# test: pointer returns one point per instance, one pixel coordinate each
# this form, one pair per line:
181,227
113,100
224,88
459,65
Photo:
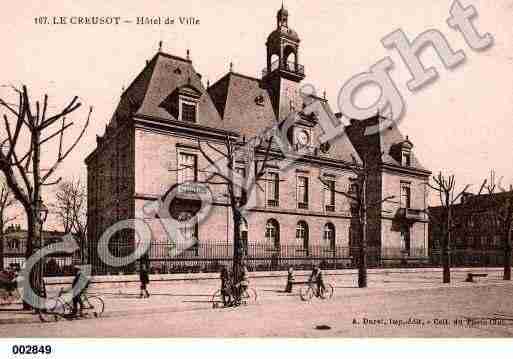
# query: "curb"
134,278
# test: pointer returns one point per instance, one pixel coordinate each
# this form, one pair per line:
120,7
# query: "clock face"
303,138
325,147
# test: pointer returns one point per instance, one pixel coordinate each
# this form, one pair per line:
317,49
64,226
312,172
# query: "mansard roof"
164,75
374,136
245,106
243,103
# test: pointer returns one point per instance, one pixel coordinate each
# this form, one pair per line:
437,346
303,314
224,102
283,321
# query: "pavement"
184,297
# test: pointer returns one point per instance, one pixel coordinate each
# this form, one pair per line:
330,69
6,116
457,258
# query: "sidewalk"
193,295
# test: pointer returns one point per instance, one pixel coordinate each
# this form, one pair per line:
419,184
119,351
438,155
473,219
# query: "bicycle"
9,291
9,295
62,307
249,295
308,292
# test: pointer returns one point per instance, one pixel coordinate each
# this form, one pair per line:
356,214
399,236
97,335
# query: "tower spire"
282,17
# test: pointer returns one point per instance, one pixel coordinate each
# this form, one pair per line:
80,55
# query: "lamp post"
42,213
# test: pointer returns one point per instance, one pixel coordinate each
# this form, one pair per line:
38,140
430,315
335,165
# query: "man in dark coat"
144,278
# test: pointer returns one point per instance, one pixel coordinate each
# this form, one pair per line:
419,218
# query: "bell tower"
283,72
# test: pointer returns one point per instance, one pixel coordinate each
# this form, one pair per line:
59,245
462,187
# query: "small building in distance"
15,245
478,235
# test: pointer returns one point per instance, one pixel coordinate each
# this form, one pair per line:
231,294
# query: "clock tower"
283,72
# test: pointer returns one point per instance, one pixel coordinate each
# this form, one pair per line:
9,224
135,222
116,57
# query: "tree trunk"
362,269
1,246
507,257
446,260
446,251
237,250
35,277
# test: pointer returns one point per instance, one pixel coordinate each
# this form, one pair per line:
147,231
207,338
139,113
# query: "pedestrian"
78,287
144,278
290,280
226,285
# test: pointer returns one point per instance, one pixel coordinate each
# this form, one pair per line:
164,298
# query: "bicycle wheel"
249,296
62,309
306,293
48,313
94,305
216,299
5,298
327,293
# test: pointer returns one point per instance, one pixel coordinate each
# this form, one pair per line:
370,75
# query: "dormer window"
406,159
188,111
402,153
302,139
183,103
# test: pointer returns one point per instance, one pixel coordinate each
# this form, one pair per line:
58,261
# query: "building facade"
151,144
14,242
478,235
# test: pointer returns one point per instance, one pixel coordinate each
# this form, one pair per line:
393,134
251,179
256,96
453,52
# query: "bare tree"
7,201
21,165
360,206
223,171
503,202
70,207
445,186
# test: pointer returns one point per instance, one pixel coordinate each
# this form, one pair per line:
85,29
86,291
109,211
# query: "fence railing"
203,257
168,258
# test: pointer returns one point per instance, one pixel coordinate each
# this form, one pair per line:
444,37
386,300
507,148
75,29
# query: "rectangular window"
188,112
405,195
273,189
405,240
406,159
302,192
188,168
329,195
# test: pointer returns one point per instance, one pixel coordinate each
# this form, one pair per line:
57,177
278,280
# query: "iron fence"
167,258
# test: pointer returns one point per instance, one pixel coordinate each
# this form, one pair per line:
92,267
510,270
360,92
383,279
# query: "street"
403,305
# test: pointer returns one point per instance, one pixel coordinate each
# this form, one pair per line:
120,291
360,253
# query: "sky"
460,124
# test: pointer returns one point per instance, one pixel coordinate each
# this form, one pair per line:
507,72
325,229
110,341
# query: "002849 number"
31,349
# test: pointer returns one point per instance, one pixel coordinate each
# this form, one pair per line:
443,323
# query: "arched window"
272,233
290,58
329,235
244,235
302,235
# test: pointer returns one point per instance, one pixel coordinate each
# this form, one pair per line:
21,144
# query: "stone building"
478,236
14,242
151,144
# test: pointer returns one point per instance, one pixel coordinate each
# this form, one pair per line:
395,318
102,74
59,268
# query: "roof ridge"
165,54
244,76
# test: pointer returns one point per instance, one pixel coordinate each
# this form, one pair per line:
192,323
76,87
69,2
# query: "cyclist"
79,286
316,277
